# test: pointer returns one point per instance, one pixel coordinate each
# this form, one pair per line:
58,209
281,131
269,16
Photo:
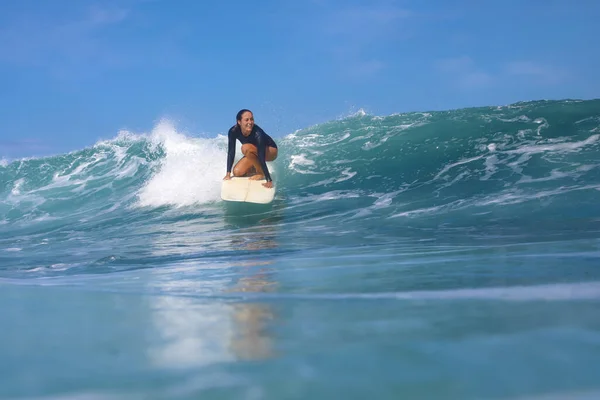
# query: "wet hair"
238,117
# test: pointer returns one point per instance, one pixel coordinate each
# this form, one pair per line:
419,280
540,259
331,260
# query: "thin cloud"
362,69
23,146
463,72
349,34
40,41
476,79
455,65
101,16
544,73
366,22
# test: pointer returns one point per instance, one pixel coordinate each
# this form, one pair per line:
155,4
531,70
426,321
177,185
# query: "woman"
257,147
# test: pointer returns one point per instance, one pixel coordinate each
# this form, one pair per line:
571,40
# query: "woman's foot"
257,177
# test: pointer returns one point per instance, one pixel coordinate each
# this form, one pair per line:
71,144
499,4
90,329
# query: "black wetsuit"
257,137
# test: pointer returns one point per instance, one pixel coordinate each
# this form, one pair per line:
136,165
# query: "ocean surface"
433,255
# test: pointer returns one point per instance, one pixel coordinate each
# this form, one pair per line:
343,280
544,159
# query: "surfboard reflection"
251,339
198,331
254,233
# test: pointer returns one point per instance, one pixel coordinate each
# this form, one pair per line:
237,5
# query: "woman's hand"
268,184
227,177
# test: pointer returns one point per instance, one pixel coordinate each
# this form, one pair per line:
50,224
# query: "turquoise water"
450,255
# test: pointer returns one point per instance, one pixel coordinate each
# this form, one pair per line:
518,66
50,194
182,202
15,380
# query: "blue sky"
73,72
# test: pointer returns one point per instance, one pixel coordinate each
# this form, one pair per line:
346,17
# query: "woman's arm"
261,147
230,151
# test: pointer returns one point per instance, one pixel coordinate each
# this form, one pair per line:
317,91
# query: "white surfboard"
246,190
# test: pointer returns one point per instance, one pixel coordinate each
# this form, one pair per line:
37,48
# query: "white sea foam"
191,171
411,213
490,167
515,197
335,140
557,147
315,140
16,190
70,177
382,200
390,134
517,158
300,160
333,195
593,118
362,137
554,174
524,133
341,162
587,167
542,125
359,113
345,175
461,162
520,118
18,197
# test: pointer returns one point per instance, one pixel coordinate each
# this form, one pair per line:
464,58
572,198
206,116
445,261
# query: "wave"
413,165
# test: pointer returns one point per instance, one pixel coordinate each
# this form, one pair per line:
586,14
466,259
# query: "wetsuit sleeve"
230,149
261,141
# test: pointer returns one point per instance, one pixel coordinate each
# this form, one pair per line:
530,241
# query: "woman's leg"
270,155
249,163
244,167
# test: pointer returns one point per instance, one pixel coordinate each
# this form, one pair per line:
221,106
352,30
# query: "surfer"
257,147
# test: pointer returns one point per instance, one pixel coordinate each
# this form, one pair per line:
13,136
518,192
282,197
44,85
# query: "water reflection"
253,229
196,331
251,340
190,334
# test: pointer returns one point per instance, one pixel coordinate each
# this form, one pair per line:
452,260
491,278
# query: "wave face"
519,163
387,226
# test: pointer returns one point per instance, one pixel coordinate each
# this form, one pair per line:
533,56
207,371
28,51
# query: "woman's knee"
271,153
239,171
248,147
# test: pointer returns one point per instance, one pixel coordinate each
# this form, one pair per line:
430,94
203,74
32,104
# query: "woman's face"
246,123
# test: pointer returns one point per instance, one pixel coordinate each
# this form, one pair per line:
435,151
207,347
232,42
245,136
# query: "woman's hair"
238,117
